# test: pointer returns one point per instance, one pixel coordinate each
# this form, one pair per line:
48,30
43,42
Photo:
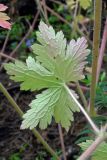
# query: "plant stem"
7,57
91,148
45,11
62,141
102,49
82,96
102,136
34,131
5,43
95,128
96,41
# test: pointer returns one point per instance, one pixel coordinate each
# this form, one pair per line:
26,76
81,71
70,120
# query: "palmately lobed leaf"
55,65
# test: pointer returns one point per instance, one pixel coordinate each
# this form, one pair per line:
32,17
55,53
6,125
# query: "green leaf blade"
51,102
55,65
41,109
31,78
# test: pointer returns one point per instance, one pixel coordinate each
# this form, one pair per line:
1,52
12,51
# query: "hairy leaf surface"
55,65
32,75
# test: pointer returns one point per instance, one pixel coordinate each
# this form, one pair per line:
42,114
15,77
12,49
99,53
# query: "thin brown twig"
84,101
5,42
7,56
38,3
57,2
62,141
45,11
57,15
84,88
102,49
75,11
82,33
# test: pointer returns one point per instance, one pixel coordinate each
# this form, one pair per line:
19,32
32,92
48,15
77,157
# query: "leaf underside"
55,64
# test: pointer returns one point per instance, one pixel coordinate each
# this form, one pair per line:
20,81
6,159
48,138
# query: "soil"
12,138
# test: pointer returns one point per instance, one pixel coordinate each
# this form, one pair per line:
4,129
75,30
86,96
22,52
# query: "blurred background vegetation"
75,19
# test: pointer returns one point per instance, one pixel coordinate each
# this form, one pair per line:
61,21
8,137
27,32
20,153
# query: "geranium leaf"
54,66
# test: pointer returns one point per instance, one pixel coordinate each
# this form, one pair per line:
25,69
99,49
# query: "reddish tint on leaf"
3,17
5,24
3,7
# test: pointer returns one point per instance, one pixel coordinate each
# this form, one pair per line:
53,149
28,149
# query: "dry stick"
24,38
7,57
82,95
81,33
20,112
40,7
102,49
77,84
57,15
75,25
94,127
5,43
96,41
102,136
84,88
62,141
57,2
45,11
75,11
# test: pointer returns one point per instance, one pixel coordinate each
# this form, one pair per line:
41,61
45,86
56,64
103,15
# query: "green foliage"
101,97
101,90
18,155
87,133
41,155
15,156
99,154
59,152
56,65
83,3
87,80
